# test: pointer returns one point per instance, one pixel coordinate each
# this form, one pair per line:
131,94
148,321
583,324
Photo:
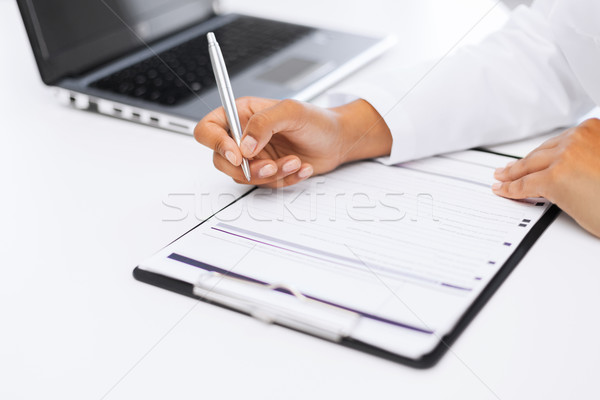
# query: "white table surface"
83,201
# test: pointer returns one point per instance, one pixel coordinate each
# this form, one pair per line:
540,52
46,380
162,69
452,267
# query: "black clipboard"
426,361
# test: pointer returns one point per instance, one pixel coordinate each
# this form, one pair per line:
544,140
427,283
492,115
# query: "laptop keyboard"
244,42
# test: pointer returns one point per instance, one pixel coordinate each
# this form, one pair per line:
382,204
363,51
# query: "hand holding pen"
287,141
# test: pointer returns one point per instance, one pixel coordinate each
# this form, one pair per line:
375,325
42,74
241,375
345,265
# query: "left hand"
565,170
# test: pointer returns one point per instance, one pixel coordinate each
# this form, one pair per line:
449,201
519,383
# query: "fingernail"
510,164
230,156
248,145
496,186
498,171
266,171
305,172
291,165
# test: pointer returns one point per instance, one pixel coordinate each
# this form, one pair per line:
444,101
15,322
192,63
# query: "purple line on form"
456,287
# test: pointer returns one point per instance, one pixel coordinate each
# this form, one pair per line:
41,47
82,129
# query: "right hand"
287,141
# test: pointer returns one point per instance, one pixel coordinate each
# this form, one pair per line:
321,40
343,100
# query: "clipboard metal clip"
277,304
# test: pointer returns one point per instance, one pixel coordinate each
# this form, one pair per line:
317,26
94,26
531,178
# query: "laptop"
147,60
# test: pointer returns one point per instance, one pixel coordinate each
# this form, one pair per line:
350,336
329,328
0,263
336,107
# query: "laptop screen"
69,37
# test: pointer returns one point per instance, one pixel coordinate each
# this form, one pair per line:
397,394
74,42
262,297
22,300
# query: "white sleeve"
514,84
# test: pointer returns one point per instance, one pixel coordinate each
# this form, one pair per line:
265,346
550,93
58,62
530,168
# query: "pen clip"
278,304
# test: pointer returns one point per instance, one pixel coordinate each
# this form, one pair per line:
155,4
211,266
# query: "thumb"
283,116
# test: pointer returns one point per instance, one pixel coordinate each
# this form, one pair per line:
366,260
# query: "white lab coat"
538,73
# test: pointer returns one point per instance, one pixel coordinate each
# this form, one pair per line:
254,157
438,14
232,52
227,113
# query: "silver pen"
226,93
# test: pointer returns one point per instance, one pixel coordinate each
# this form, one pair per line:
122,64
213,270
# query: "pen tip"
211,37
246,169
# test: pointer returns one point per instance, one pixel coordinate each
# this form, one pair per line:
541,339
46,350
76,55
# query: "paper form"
408,247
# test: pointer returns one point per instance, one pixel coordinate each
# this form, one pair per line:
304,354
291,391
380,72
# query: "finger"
285,115
285,166
212,130
553,141
533,185
549,144
261,170
248,106
305,172
534,162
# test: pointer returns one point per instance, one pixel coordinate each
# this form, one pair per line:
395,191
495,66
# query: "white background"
83,201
